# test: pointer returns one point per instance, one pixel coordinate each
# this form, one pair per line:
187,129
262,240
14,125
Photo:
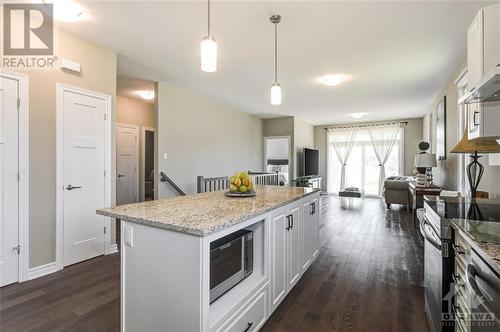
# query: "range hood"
488,89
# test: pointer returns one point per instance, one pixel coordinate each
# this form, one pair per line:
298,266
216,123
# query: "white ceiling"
400,54
130,87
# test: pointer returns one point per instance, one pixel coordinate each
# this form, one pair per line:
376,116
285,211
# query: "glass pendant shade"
208,54
275,94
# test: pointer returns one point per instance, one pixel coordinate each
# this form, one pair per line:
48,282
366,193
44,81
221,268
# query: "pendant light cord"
208,18
275,52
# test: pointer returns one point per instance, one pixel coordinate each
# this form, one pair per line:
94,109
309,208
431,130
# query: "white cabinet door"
315,228
491,37
294,244
475,51
279,233
307,234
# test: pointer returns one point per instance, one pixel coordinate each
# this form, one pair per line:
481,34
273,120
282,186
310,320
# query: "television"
311,162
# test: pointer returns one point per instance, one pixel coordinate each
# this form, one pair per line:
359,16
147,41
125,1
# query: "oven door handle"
472,274
427,237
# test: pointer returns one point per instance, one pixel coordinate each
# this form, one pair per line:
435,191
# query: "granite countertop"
207,213
484,238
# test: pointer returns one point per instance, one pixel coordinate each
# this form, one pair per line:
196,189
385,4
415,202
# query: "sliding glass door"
362,169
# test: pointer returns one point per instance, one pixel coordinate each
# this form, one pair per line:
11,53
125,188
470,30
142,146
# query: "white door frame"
142,178
60,89
23,150
136,128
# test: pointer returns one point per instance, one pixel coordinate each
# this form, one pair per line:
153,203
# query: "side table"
416,197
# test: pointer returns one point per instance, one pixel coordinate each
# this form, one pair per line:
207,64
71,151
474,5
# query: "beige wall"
203,137
446,174
138,113
98,74
303,137
412,136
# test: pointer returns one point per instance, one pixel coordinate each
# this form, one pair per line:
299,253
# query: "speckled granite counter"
484,238
207,213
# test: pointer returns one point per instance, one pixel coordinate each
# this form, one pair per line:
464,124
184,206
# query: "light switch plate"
128,236
165,155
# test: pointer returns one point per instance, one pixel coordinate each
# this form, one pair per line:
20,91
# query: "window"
362,169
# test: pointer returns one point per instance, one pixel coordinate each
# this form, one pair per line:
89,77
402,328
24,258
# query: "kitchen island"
166,259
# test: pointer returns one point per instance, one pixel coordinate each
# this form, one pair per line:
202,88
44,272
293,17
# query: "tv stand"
314,181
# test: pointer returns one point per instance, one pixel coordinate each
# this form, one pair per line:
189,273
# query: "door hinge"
105,116
104,229
18,104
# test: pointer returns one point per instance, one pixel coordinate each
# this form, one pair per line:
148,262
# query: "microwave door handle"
472,274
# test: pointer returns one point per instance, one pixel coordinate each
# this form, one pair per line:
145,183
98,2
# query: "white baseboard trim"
42,270
111,249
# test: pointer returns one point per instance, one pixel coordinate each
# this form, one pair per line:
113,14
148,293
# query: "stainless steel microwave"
231,261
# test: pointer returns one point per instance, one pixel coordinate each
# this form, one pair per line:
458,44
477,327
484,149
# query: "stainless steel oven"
231,261
438,265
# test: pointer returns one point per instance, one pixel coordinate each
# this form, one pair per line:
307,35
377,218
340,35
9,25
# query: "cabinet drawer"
252,317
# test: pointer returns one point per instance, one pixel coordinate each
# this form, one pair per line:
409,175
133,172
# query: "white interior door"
127,162
83,178
9,189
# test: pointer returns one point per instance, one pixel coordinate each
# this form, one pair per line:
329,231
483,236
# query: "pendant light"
275,88
208,50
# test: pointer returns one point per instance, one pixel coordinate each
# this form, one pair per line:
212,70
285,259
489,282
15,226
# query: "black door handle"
288,223
249,325
291,217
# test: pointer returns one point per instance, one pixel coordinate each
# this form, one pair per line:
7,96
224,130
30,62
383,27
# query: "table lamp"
475,170
426,160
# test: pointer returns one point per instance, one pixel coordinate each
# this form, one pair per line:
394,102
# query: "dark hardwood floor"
368,277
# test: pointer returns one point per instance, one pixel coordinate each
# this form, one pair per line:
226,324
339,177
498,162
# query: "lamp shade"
425,160
480,146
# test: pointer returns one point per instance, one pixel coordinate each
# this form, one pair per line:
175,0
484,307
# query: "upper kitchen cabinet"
475,53
483,56
491,37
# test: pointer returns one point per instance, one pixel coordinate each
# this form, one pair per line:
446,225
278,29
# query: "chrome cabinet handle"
288,226
249,325
457,249
70,187
456,279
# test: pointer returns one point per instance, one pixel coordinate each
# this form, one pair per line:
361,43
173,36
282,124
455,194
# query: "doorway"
148,164
83,173
277,157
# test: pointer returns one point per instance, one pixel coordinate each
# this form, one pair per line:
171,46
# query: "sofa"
396,190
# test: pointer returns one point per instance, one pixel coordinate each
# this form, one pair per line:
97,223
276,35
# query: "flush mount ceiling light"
146,95
67,10
357,115
275,88
333,80
208,50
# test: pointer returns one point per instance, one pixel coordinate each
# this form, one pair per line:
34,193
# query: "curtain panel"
340,142
383,139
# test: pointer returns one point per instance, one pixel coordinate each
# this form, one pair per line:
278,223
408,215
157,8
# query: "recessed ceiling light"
357,115
332,80
147,95
67,10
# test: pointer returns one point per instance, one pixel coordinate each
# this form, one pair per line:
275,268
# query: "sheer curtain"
383,139
340,142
